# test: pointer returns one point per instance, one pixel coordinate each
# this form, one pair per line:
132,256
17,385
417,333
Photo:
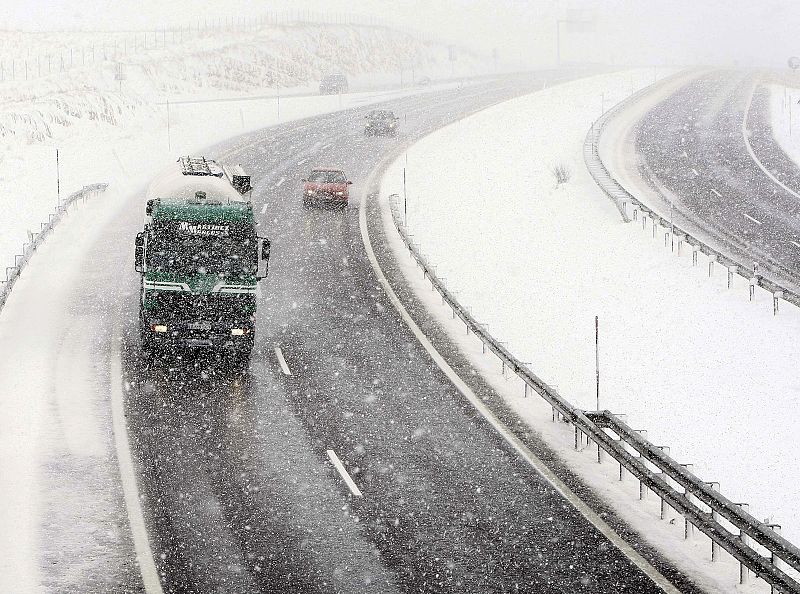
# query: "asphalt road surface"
234,469
693,144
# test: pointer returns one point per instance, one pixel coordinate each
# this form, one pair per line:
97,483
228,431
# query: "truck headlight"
238,331
309,192
159,328
340,193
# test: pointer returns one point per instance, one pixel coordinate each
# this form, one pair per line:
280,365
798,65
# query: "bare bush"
562,174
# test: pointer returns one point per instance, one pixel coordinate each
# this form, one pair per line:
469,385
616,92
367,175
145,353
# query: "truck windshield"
225,250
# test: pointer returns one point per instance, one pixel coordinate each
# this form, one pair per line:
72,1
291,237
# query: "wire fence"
72,49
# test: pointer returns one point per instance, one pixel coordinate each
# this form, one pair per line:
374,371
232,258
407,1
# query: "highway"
693,146
235,469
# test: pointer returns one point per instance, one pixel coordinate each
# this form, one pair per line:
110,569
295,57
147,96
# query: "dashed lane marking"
695,172
280,182
263,209
756,221
341,469
717,193
795,244
282,361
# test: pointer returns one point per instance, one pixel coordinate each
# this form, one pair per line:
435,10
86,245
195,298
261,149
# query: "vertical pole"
169,139
58,183
671,226
597,357
405,199
558,44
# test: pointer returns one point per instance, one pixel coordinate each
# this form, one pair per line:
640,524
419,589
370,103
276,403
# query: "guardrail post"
695,249
711,259
715,517
772,557
655,226
731,271
625,208
688,527
644,221
635,213
775,297
753,283
744,572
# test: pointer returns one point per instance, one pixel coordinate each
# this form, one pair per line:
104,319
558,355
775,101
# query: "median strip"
337,463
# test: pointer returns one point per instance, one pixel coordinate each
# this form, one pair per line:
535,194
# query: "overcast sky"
752,32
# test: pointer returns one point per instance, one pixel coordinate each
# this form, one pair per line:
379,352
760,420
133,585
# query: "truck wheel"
306,202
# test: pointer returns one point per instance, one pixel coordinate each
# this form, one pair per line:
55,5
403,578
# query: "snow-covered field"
786,117
684,357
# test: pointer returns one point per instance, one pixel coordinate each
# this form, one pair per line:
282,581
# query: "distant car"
333,84
424,81
381,122
325,185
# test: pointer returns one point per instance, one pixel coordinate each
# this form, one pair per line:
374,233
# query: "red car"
326,185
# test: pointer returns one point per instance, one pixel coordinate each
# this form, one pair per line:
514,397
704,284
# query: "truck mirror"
139,253
148,210
264,249
349,183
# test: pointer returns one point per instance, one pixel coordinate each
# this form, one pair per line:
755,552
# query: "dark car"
326,185
381,122
333,84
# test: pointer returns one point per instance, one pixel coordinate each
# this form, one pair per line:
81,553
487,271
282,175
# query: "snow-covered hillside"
73,101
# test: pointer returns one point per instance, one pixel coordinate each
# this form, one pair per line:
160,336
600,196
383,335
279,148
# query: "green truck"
200,260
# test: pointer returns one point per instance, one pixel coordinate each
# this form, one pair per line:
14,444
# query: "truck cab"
200,259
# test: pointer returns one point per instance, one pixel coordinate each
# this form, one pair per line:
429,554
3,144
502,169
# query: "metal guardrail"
726,523
754,272
36,239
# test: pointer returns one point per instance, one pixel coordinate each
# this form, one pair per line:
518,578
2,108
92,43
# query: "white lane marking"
340,467
144,555
263,209
795,244
282,361
746,136
302,161
280,182
756,221
717,193
522,450
685,154
695,172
